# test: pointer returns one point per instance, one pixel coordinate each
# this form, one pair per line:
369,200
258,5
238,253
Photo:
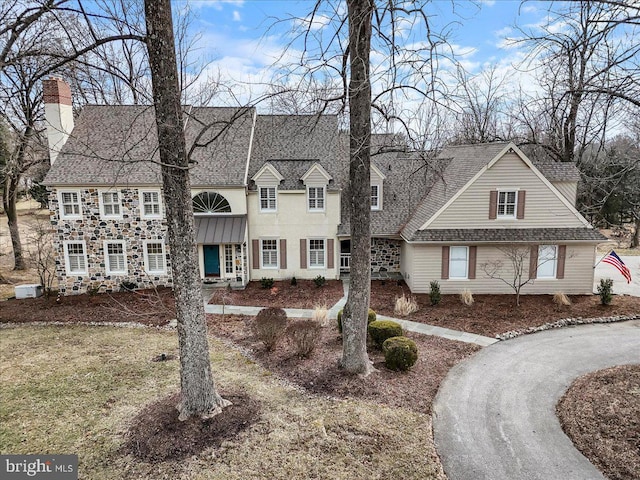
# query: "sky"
244,40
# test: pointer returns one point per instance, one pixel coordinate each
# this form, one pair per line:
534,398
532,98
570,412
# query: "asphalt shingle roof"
497,235
558,172
118,145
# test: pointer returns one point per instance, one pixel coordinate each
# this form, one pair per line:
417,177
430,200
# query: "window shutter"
493,204
521,196
255,253
533,262
472,263
445,263
283,254
562,255
303,253
330,254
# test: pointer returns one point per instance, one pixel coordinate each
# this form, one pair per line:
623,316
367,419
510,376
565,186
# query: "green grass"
74,390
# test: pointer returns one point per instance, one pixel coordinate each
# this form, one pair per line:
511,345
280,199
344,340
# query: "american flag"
613,259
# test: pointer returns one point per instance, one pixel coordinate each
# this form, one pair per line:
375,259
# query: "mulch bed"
150,307
156,434
320,373
494,314
600,412
305,294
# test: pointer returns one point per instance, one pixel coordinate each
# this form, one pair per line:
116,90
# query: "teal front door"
211,260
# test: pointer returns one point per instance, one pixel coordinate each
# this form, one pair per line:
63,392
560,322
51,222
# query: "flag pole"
605,256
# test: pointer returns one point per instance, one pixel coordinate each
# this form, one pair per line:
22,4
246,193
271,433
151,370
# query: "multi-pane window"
269,253
150,204
507,204
110,204
154,256
70,204
115,258
267,199
547,261
375,197
316,253
75,258
228,259
458,262
316,198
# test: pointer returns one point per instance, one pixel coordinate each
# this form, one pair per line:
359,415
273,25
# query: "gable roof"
118,145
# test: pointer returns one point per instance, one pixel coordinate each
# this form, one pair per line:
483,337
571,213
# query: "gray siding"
543,207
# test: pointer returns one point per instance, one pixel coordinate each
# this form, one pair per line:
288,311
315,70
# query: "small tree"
42,255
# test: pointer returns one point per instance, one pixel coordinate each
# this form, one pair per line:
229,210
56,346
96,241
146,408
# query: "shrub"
269,325
371,317
561,300
605,290
466,297
127,286
319,281
434,293
294,282
320,314
304,334
266,283
380,330
400,353
405,305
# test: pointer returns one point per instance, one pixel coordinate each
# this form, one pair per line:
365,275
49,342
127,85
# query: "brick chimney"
58,114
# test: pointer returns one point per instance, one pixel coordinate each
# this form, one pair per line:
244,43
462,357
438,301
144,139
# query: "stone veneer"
94,230
385,255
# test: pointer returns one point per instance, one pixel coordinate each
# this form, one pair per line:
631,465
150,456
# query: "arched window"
210,202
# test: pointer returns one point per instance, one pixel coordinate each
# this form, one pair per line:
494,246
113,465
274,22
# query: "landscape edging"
565,322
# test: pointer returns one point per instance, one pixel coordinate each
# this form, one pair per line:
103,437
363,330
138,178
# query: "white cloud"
236,16
488,3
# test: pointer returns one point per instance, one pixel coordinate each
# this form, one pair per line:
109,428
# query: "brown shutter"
493,204
521,196
330,254
533,262
562,255
472,262
255,253
445,263
303,253
283,254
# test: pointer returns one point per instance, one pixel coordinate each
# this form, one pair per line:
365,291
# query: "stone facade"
94,230
385,255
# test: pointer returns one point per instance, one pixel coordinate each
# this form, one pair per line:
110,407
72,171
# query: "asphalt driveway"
494,416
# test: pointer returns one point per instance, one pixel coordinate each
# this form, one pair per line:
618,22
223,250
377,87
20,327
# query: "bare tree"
41,253
199,394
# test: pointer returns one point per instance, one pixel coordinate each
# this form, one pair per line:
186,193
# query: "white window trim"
107,265
275,193
74,216
379,206
324,199
277,250
515,205
101,204
466,263
555,263
146,257
67,265
141,193
324,253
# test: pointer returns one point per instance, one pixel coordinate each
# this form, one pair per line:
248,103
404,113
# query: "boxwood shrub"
380,330
400,353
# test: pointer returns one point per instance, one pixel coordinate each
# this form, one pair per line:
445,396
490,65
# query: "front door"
211,260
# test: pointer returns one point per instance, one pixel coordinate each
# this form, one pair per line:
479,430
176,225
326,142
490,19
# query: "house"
269,201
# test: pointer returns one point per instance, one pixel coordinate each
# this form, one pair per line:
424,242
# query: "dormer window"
315,199
267,199
375,197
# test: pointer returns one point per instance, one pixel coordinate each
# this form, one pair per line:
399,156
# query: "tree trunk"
354,320
9,201
199,395
635,239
